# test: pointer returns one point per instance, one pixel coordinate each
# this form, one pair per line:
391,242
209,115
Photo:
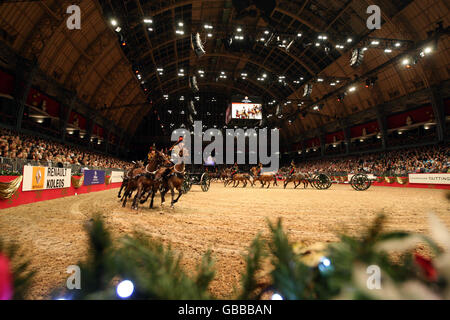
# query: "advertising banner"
44,178
93,177
116,176
430,178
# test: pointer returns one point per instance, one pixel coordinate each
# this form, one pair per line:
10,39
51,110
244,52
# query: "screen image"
246,109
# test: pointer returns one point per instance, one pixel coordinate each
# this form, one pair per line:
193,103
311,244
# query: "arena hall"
224,150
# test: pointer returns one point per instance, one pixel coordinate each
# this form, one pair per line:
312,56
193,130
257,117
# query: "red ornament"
427,267
6,290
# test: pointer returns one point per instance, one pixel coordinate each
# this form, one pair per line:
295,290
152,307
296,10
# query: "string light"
125,289
277,296
325,265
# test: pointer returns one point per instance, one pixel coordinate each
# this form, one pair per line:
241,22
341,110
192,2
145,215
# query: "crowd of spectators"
431,159
20,146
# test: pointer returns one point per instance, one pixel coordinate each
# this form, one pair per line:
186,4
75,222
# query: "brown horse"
297,178
225,174
129,174
237,178
263,178
157,160
173,178
150,184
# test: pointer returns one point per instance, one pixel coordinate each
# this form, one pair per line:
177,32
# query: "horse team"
266,179
161,175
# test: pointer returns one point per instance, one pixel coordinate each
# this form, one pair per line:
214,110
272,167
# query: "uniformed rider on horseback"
293,168
260,167
234,169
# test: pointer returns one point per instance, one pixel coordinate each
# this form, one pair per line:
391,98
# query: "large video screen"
246,108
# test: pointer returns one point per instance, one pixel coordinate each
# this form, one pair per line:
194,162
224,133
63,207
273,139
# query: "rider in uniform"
151,152
179,150
260,167
292,168
234,169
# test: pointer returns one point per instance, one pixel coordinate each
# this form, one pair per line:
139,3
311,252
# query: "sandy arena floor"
223,219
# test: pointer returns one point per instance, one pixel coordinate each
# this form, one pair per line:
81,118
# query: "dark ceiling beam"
231,82
62,27
290,55
341,12
377,69
211,84
141,12
132,105
228,56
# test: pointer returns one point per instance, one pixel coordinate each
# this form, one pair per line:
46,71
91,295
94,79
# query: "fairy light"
125,289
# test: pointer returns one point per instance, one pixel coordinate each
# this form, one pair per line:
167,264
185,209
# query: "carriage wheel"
186,187
360,182
322,181
205,182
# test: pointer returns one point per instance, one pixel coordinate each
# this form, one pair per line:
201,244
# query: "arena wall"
25,197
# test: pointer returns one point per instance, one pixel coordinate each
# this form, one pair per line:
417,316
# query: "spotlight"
197,45
193,84
426,51
191,108
318,107
352,89
408,62
279,111
114,22
357,58
308,90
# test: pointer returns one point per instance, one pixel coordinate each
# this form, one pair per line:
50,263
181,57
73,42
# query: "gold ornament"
8,189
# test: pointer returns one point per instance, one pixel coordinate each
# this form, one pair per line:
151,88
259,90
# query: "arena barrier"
20,197
419,180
